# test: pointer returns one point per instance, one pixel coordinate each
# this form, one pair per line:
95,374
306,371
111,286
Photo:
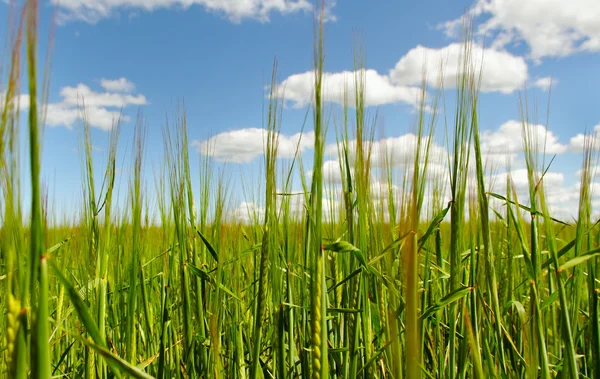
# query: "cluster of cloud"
500,146
562,197
577,143
233,10
21,101
252,211
397,151
244,145
503,145
340,88
101,109
550,28
507,139
500,72
561,29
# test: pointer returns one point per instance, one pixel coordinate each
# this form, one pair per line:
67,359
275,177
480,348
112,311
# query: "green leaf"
375,356
63,356
448,299
84,314
580,259
347,278
58,246
341,247
290,193
519,307
114,360
561,252
211,249
346,247
434,223
79,305
396,243
343,310
348,172
200,273
524,207
551,299
229,292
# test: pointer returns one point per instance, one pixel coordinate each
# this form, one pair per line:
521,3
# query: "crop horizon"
346,267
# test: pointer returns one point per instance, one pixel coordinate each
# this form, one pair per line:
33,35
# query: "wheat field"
387,282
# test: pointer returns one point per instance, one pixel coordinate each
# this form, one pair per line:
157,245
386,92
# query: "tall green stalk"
318,288
458,184
135,194
483,204
538,348
40,354
584,244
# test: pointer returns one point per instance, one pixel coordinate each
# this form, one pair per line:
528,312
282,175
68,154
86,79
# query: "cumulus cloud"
250,211
101,109
81,92
22,101
436,170
247,212
550,28
562,195
117,85
332,172
520,180
501,71
244,145
234,10
577,142
400,151
379,90
545,83
507,140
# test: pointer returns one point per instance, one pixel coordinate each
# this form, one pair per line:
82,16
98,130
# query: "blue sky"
217,56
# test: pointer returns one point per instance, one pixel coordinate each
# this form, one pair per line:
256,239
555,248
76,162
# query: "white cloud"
234,10
244,145
562,198
379,90
545,83
520,180
507,140
593,170
501,71
22,101
437,170
250,211
61,114
577,143
399,150
81,92
247,212
117,85
550,28
332,172
102,109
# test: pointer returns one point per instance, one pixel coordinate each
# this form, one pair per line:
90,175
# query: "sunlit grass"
345,281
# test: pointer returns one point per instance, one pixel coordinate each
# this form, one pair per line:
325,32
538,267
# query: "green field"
386,282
